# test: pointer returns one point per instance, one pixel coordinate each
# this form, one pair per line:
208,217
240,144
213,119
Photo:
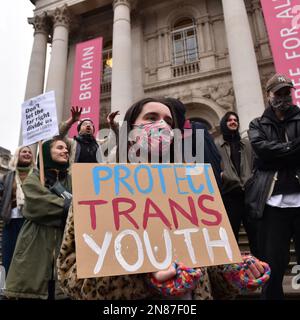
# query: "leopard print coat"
212,285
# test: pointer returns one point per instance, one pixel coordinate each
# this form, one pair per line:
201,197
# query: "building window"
107,64
184,40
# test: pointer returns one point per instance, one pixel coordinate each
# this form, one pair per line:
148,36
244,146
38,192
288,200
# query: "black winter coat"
276,145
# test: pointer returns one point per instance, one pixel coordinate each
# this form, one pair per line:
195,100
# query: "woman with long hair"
32,274
12,201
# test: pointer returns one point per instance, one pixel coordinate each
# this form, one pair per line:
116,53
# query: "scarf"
20,173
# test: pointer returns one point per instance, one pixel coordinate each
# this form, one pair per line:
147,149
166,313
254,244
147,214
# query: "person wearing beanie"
32,273
12,201
237,157
273,196
211,153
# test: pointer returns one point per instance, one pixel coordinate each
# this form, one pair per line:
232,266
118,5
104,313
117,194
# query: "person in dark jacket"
211,153
236,156
12,201
84,148
275,138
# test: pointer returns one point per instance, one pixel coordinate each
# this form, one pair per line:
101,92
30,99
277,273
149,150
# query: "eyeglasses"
86,123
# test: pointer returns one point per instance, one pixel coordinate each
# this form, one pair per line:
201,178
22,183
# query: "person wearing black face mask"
273,195
281,100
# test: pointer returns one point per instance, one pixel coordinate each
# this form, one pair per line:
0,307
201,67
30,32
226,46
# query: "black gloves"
60,190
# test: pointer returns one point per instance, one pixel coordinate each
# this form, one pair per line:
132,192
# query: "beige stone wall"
206,87
209,93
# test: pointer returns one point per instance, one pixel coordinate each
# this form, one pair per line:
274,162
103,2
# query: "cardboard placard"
136,218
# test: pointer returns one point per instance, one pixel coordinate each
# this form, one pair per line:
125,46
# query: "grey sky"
15,46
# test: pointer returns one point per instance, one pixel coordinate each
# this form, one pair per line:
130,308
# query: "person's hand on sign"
76,113
165,275
249,274
111,119
253,267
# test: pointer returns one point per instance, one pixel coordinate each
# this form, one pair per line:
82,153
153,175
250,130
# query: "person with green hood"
32,273
12,201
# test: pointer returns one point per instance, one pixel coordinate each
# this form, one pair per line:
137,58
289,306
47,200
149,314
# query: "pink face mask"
155,136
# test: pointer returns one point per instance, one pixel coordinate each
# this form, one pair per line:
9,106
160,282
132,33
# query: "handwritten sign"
39,119
136,218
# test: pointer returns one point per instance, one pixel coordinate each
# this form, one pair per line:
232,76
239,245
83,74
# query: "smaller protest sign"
39,119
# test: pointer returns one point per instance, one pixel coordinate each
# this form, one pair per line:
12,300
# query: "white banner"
39,119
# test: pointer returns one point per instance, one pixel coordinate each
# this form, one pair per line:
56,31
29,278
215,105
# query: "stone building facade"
212,54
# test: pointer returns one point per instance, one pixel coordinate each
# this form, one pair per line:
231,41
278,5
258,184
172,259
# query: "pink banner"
86,81
283,23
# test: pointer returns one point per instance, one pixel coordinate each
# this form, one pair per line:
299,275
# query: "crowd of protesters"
258,178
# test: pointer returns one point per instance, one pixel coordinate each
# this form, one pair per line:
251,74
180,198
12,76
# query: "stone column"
200,36
36,70
121,85
137,57
261,30
245,75
208,35
205,44
59,55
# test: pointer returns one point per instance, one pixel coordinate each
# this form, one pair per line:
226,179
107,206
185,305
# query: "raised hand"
76,113
111,118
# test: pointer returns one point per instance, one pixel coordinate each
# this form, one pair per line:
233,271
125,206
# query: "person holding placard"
32,274
12,201
148,116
